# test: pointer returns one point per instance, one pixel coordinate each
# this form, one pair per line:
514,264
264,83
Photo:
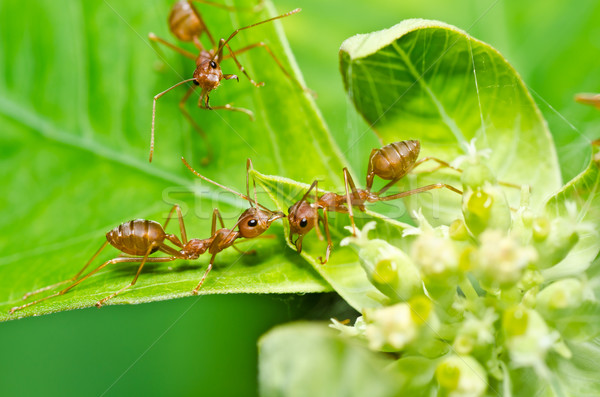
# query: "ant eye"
213,64
303,222
252,222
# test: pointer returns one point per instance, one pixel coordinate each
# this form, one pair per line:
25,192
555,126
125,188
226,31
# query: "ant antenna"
189,167
224,43
154,112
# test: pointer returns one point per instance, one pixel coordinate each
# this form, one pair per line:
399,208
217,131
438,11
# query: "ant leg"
181,224
203,104
588,99
195,125
349,183
233,54
74,278
420,190
145,259
389,185
317,229
444,164
216,214
329,242
62,292
185,53
156,97
223,43
441,164
251,252
239,65
212,259
370,173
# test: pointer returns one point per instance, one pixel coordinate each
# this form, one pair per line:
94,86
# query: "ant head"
208,74
255,221
183,21
302,218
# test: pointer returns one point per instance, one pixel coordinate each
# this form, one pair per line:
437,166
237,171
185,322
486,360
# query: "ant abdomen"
395,160
136,237
183,22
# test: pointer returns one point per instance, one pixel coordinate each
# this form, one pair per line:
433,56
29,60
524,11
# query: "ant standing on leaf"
186,23
141,238
392,162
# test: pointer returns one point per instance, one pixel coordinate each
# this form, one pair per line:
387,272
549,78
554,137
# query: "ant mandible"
186,23
391,162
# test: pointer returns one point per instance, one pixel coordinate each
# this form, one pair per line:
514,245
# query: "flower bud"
476,174
388,268
460,376
458,231
562,294
560,237
501,260
528,338
392,328
486,208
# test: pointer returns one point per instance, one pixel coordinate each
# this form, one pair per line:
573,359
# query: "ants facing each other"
186,23
391,162
140,238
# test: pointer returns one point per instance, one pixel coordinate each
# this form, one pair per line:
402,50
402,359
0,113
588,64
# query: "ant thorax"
196,247
223,238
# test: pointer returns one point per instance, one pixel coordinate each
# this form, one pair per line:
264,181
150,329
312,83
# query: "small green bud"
527,217
463,344
476,174
480,204
458,231
528,338
461,376
486,208
467,258
541,228
421,308
514,321
388,268
562,294
386,272
560,239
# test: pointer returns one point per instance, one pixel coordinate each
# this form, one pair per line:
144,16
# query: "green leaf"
577,376
76,91
343,271
305,359
580,198
431,81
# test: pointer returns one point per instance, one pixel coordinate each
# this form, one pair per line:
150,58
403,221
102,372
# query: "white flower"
358,329
501,259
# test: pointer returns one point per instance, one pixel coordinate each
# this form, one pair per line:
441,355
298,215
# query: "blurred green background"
207,345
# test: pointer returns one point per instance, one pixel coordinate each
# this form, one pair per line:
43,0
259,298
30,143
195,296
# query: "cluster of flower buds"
475,297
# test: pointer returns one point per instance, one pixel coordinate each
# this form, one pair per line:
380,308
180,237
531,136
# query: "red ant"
186,23
392,162
142,237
